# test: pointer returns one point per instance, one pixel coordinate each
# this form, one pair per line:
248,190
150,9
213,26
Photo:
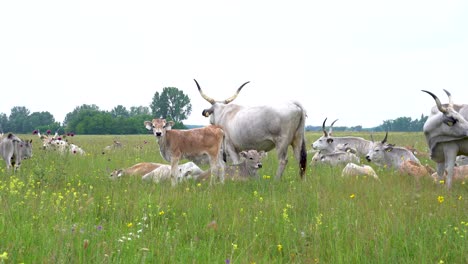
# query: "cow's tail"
299,144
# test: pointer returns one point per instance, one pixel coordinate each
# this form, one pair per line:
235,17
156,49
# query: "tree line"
171,104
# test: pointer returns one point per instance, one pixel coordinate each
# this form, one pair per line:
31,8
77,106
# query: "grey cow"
261,128
446,132
14,150
388,155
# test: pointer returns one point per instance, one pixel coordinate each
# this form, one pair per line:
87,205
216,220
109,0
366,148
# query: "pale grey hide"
245,170
186,171
446,133
14,150
261,128
336,158
329,143
387,155
461,160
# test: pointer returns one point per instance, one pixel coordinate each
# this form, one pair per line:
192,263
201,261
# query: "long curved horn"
323,128
230,99
331,127
439,104
206,97
385,138
449,97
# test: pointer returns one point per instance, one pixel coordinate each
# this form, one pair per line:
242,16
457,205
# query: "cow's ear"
148,125
389,148
171,123
329,140
243,154
262,154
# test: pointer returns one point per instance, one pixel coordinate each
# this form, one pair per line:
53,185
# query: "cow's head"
377,152
26,149
447,124
216,104
159,126
325,142
253,158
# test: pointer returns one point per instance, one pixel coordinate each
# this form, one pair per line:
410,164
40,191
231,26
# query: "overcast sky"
359,61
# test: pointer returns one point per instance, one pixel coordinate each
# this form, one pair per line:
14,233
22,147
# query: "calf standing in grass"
177,144
247,169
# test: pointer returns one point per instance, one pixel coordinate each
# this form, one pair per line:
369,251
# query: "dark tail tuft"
303,160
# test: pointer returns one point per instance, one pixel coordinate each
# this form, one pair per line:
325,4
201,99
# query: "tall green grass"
64,209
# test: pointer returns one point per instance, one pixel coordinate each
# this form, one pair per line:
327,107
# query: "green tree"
73,115
4,125
19,119
139,110
120,111
171,104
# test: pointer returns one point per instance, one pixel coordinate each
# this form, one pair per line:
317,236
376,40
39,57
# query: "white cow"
261,128
352,169
186,171
57,143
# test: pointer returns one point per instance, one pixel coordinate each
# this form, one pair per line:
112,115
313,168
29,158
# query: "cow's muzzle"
368,158
158,134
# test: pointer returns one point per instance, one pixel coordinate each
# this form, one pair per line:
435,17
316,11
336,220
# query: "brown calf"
177,144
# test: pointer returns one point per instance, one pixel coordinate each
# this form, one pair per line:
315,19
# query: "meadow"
64,209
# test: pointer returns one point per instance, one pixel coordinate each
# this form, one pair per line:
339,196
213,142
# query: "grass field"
65,210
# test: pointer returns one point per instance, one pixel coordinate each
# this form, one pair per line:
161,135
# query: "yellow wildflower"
4,256
440,198
352,196
279,247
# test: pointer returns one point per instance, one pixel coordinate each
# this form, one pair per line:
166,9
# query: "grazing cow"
186,171
328,143
352,169
335,158
446,132
138,169
260,128
177,144
460,173
461,160
247,169
387,155
14,150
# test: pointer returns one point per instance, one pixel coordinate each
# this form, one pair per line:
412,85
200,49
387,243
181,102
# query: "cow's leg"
174,170
282,161
232,153
450,164
440,170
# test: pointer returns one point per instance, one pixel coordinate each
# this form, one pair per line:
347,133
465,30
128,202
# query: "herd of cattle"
245,134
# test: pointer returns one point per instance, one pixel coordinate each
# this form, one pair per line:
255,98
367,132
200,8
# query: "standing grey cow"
446,134
387,155
260,128
328,143
14,150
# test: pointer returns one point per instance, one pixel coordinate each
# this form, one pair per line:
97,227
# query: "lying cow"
14,150
177,144
251,161
352,169
115,145
186,171
57,142
415,169
460,173
335,158
389,156
461,160
138,169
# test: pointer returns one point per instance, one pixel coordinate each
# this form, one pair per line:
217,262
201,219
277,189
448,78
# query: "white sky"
360,61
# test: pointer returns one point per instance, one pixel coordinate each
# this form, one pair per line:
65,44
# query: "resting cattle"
387,155
186,171
14,150
177,144
415,169
352,169
335,158
138,169
260,128
446,131
328,143
57,142
460,173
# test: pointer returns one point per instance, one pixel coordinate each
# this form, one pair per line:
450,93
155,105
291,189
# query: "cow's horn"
385,138
206,97
331,127
230,99
439,104
449,97
323,127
